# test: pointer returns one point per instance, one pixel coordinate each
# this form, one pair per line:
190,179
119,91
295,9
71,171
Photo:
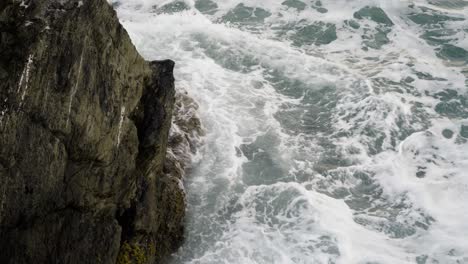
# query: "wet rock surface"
185,137
84,127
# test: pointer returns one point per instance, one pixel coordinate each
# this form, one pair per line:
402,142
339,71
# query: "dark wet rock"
184,139
84,124
185,136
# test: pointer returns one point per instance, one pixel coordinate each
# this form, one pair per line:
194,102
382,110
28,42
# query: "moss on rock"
131,254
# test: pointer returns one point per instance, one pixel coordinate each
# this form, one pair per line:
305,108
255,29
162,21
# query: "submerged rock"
84,126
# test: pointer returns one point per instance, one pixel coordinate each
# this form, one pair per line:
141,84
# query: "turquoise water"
336,131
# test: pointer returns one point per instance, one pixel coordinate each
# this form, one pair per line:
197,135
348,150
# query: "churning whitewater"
336,130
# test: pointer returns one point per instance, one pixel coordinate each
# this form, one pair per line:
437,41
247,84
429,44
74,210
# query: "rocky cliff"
84,123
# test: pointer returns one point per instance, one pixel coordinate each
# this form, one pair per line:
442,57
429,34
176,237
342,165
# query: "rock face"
84,126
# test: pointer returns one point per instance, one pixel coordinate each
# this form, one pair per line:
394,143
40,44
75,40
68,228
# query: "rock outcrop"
185,136
84,126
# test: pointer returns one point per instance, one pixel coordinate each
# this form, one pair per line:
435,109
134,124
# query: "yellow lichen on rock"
131,254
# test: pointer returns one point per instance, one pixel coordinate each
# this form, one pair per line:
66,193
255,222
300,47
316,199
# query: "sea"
336,131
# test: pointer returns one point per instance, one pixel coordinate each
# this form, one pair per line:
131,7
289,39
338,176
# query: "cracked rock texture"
84,126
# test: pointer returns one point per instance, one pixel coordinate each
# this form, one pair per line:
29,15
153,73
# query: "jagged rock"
84,124
185,136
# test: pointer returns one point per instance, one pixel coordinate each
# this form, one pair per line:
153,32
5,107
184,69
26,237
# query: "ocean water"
336,130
